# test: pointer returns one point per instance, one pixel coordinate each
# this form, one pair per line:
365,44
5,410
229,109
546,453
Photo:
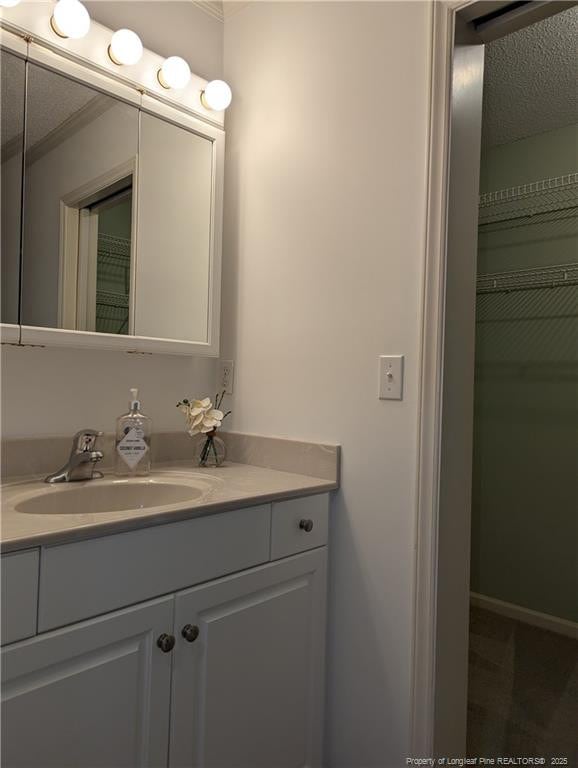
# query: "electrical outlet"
226,375
391,377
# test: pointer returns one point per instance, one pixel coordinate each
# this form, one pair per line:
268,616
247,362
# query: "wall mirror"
111,213
79,166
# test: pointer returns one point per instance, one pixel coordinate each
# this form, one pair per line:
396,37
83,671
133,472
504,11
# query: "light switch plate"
226,376
391,377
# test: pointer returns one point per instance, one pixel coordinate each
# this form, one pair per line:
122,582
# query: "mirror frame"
85,73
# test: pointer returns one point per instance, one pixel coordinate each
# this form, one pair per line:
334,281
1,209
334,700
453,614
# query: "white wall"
324,257
57,391
49,391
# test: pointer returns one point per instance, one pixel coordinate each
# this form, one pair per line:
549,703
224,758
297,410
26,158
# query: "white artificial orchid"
200,416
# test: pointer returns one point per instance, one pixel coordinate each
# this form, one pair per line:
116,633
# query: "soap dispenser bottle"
133,440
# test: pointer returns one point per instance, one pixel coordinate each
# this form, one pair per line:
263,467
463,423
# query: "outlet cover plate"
226,376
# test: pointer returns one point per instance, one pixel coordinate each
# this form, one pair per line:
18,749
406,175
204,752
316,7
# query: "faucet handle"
85,440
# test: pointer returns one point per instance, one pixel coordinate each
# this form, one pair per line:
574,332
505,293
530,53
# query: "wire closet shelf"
547,199
540,201
554,276
113,284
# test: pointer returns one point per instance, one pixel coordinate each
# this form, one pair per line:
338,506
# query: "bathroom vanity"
189,634
177,620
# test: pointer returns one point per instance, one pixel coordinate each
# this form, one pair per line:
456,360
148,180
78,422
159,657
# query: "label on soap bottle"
132,447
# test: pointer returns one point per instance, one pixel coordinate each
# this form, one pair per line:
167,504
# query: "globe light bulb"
70,19
125,47
216,96
174,73
8,3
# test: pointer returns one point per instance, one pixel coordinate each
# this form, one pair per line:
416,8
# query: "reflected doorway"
109,223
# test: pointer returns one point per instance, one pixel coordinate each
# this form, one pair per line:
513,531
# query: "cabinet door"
248,691
92,694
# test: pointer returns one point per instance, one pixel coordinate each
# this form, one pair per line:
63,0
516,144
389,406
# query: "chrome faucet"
82,460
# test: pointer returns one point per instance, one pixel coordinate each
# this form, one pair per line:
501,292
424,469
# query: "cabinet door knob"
190,632
306,525
166,642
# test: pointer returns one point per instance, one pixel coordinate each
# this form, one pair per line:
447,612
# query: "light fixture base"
112,57
162,81
216,96
56,30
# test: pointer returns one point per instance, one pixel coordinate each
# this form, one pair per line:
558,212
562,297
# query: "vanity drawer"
290,523
19,595
88,578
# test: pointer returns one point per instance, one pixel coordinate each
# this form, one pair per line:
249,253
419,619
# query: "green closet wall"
525,479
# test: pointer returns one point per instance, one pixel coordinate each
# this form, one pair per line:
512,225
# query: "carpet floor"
523,690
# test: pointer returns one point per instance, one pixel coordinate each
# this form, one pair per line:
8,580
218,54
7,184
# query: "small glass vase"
209,450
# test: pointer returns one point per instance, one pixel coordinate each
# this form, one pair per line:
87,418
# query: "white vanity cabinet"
92,694
227,673
248,683
19,581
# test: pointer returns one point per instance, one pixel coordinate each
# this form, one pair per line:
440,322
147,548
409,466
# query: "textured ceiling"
12,96
530,83
52,100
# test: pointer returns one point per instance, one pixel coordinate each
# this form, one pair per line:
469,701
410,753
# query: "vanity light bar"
70,20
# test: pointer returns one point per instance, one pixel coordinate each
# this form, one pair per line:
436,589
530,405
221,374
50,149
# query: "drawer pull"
306,525
190,632
166,642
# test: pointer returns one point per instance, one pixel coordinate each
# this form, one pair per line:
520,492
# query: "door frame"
428,534
439,688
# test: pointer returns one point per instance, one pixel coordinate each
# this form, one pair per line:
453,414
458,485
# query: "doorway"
108,224
97,254
452,293
523,647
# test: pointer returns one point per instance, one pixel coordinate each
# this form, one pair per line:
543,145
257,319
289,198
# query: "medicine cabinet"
111,211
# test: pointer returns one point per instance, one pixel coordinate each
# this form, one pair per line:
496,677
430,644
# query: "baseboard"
528,616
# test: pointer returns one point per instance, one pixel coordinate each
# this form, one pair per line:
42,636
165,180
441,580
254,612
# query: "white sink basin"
107,495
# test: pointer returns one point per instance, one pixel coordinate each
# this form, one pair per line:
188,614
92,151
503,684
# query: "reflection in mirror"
112,297
12,74
80,161
175,193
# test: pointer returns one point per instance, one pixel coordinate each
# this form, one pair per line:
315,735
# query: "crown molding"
223,9
230,7
72,124
213,8
86,115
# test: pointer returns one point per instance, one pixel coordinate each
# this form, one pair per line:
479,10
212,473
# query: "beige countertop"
229,487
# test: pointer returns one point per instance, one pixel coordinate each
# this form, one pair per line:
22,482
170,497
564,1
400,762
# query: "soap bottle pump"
133,440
